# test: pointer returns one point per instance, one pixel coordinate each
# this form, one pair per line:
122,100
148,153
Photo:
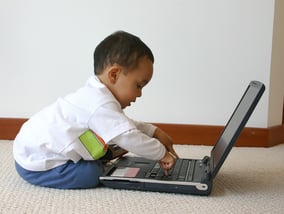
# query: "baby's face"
129,85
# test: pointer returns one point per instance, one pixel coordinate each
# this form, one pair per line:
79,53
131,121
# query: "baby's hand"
167,162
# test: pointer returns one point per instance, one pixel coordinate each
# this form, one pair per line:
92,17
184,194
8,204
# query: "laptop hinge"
207,169
205,159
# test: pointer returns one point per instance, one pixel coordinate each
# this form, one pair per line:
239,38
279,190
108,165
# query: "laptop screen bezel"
255,87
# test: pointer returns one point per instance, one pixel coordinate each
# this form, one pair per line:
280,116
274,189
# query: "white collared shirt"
51,137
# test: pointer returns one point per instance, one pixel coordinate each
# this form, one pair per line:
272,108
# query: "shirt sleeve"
114,127
146,128
140,144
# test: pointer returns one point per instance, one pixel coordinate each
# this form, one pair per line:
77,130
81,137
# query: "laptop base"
133,173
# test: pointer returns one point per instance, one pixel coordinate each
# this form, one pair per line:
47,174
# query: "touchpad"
129,172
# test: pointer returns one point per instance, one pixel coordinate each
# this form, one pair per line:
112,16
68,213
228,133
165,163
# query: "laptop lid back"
235,125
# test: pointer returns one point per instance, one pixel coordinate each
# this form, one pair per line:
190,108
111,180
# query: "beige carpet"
250,181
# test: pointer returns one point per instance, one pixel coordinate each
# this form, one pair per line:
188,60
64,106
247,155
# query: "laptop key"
155,170
190,173
152,173
161,173
175,170
183,170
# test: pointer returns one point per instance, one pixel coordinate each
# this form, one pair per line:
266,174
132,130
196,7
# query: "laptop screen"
235,125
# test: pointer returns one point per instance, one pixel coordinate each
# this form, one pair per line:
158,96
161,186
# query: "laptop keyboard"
182,171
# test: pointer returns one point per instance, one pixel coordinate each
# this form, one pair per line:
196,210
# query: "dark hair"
122,48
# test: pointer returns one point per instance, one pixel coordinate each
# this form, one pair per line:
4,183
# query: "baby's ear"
113,73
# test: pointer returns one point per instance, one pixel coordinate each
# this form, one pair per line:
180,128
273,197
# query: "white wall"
206,53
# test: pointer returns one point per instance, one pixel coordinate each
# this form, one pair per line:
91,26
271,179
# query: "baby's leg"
80,175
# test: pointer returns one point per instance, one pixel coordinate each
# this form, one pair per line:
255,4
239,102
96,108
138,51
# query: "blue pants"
80,175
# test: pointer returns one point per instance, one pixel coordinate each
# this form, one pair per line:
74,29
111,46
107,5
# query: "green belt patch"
94,144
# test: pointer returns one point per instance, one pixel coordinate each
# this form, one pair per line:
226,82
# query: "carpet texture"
250,181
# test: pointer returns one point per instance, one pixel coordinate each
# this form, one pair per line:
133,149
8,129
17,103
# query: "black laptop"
188,176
